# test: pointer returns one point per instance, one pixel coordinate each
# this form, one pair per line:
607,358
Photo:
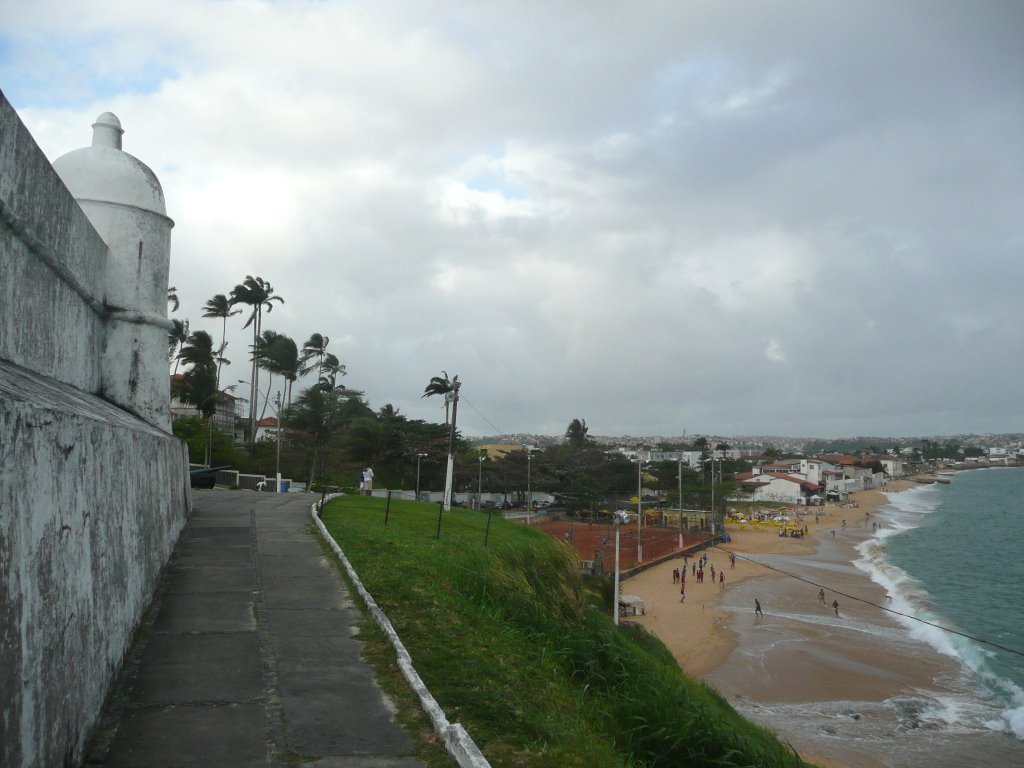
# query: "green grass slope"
514,646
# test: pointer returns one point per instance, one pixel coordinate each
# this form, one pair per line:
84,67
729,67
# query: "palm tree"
315,346
318,412
257,293
176,340
199,384
172,298
278,354
442,385
330,369
220,306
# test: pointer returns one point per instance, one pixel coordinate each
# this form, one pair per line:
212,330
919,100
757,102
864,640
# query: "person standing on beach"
757,608
721,578
821,596
732,561
835,605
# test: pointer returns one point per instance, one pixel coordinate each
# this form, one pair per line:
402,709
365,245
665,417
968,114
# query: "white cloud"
773,351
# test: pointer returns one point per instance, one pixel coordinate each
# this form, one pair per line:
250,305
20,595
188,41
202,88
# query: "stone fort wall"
92,498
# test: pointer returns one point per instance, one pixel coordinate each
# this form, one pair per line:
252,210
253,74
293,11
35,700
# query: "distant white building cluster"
814,481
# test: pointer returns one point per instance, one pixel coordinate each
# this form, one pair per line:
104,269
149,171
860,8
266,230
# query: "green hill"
516,647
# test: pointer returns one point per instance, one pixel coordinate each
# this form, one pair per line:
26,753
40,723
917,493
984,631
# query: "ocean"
881,683
952,555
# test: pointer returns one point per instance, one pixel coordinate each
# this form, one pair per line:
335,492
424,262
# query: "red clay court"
590,538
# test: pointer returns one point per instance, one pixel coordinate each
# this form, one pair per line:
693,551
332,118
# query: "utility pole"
446,505
639,506
418,457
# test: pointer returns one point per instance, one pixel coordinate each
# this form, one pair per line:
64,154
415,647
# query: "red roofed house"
781,487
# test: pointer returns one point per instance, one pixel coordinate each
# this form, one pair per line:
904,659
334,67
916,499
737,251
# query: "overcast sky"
735,218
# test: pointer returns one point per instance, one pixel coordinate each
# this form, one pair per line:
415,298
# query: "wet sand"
834,678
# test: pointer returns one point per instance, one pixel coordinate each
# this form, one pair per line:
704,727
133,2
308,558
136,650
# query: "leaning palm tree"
330,370
176,339
257,293
199,384
442,385
319,413
315,347
220,306
278,354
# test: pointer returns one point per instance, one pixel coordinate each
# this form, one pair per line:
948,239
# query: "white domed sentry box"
124,201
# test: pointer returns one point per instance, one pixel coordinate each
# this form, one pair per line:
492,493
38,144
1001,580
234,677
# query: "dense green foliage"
514,648
195,432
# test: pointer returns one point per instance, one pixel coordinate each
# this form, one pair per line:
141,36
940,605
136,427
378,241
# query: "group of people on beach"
697,572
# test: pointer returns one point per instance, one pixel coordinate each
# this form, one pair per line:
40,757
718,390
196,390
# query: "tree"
318,413
198,386
172,298
176,339
576,434
220,306
439,385
258,294
330,369
278,354
314,347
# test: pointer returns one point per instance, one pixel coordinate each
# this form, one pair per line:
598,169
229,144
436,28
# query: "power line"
496,429
875,605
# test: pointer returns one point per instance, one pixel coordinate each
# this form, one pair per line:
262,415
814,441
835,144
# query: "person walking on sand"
821,596
682,592
835,606
757,608
732,561
721,578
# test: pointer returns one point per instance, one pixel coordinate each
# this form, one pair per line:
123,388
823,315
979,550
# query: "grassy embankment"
518,649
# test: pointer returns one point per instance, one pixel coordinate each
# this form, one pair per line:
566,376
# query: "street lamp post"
480,479
680,477
277,488
619,517
418,457
529,490
639,505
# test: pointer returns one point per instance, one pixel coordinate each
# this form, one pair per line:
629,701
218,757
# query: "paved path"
248,656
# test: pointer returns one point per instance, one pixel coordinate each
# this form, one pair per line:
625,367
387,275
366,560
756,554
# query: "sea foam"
912,606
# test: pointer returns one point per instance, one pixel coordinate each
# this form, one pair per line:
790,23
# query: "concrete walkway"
247,657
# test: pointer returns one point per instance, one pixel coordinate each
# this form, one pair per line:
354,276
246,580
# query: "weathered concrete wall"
92,499
52,264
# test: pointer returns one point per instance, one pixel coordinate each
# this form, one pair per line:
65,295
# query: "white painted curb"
456,740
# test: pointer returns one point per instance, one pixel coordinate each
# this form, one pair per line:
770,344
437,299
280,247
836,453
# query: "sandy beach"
800,657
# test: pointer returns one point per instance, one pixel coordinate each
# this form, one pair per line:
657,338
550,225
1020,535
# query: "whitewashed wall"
92,499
